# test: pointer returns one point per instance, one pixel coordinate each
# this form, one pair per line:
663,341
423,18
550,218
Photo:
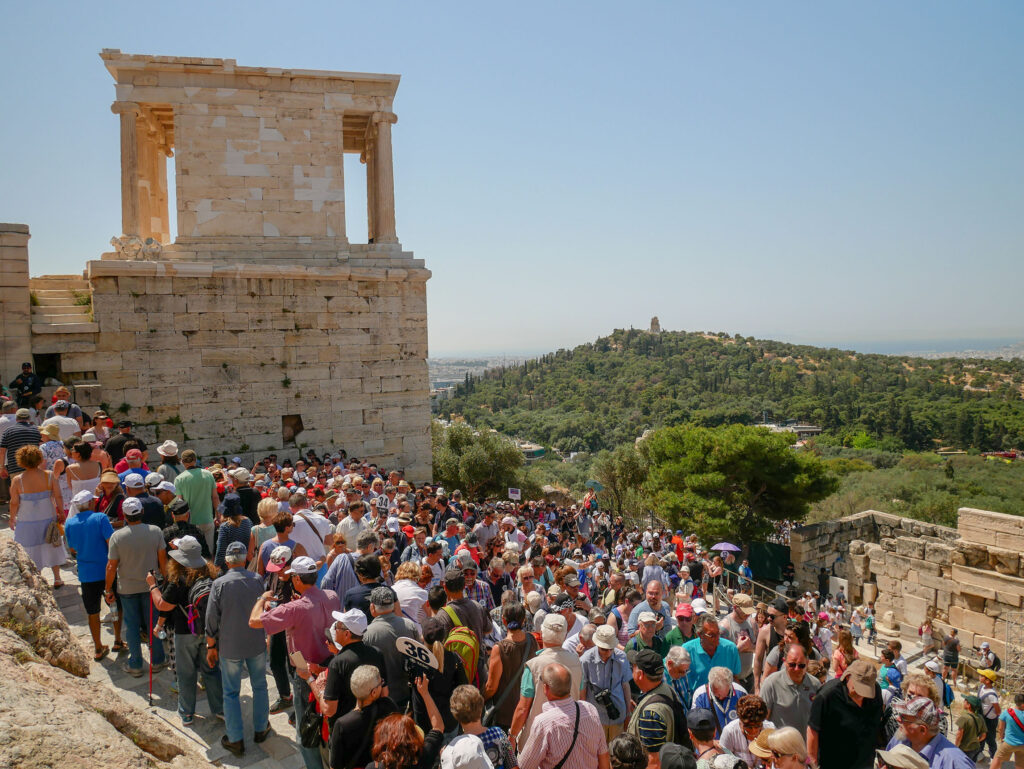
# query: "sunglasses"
796,665
776,755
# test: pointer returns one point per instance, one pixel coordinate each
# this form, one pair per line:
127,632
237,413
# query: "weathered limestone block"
970,554
938,552
1008,589
913,548
1004,561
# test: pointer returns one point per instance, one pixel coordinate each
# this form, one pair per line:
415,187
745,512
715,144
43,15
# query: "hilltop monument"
262,326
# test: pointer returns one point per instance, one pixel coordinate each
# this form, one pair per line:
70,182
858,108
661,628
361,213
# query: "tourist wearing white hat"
87,532
170,466
606,677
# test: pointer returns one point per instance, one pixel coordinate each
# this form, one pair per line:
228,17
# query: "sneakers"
160,666
133,672
187,720
238,748
283,703
262,736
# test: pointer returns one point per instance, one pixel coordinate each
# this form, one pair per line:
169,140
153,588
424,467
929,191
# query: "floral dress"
53,451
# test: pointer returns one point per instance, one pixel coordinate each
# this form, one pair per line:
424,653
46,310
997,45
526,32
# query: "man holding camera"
606,677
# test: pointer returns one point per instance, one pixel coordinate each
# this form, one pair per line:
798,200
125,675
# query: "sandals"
101,653
119,646
58,585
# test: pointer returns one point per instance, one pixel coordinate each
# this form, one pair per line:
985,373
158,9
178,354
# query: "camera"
414,670
604,699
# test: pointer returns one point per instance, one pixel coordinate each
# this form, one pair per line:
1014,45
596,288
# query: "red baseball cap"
684,610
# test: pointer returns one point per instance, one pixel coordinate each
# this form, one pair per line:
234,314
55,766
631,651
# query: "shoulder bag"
492,709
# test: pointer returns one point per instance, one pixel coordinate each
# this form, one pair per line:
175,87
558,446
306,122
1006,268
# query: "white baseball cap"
354,620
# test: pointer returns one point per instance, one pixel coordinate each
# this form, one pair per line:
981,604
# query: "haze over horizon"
805,173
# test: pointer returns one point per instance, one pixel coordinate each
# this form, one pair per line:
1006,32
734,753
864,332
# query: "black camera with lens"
604,699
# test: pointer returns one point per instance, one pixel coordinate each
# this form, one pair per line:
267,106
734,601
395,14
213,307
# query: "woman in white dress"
83,473
56,456
35,504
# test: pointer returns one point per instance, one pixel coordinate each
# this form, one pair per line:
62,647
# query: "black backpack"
996,662
198,597
680,732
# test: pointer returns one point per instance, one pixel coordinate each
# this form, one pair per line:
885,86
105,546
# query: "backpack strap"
453,615
315,531
1016,720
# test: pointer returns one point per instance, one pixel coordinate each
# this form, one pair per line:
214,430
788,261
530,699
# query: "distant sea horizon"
879,347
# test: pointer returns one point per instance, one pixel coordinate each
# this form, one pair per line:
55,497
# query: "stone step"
65,309
55,299
65,328
65,282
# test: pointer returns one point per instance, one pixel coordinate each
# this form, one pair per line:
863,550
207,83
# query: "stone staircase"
58,306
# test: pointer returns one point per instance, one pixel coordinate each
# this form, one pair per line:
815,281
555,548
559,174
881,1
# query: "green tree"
622,472
733,481
480,464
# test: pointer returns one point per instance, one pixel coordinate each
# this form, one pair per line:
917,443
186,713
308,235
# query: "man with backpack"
465,612
659,718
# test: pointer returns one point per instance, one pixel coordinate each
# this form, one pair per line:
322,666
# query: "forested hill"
606,393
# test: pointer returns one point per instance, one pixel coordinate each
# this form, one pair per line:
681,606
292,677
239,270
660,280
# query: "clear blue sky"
815,172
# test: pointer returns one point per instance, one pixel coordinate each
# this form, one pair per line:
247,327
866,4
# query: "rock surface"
28,608
50,714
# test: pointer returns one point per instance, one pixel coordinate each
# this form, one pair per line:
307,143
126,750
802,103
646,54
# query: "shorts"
92,596
1004,752
950,660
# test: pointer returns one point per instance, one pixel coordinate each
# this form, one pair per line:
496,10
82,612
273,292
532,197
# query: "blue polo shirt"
726,656
87,534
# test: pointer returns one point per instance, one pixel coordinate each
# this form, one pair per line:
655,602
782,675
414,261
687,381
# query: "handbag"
54,533
311,727
491,710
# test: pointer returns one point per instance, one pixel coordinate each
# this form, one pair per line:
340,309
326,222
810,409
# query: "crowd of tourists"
405,626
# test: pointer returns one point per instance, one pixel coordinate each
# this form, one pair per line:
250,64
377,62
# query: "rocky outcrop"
49,718
50,713
27,607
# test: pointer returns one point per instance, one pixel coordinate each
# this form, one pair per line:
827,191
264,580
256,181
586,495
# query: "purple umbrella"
724,546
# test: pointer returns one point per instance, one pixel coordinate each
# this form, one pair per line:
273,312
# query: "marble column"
384,178
371,192
129,113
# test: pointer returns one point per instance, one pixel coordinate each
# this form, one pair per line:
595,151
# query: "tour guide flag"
514,494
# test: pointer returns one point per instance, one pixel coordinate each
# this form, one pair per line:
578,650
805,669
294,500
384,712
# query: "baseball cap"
133,454
382,597
178,507
465,561
990,674
81,498
919,710
354,620
22,414
301,565
562,601
684,610
605,637
744,603
131,507
647,616
902,757
236,549
134,481
572,580
780,605
154,479
933,665
553,628
166,486
648,661
700,606
279,556
973,701
862,674
674,756
700,719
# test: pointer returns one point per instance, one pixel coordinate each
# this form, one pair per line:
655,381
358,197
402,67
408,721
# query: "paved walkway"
279,751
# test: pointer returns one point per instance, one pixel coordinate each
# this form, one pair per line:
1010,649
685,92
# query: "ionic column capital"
384,117
126,108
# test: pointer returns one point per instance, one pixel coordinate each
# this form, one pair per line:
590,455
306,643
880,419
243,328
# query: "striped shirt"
14,437
551,736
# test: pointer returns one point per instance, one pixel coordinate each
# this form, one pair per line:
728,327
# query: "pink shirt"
304,620
551,735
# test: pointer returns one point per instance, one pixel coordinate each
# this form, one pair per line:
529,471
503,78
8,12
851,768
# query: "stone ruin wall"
970,577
